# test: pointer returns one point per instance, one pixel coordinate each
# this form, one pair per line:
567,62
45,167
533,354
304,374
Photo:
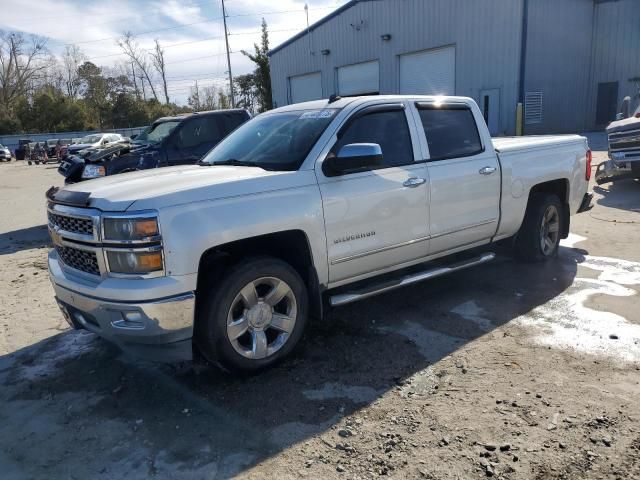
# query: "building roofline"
312,27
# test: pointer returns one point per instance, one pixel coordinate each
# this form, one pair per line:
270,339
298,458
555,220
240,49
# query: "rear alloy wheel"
549,230
255,316
539,236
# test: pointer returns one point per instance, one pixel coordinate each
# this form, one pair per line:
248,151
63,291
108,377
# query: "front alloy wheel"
261,318
253,316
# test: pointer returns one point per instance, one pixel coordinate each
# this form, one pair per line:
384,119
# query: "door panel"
376,219
464,206
464,177
373,221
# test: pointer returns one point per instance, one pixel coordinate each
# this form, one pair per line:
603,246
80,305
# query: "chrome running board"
385,286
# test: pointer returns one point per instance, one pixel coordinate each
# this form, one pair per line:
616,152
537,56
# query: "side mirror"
352,158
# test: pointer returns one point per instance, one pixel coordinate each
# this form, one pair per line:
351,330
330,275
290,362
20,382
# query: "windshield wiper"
232,161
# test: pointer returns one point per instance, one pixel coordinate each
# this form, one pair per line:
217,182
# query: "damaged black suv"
180,140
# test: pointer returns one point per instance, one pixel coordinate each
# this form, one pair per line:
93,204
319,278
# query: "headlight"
131,262
130,229
93,171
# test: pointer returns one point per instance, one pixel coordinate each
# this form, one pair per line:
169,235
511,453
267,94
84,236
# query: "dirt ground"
507,370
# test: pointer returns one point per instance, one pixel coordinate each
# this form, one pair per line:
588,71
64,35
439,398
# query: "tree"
139,58
157,59
262,73
245,90
95,90
22,62
72,58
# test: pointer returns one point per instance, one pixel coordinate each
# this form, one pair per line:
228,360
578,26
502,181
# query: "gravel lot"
506,370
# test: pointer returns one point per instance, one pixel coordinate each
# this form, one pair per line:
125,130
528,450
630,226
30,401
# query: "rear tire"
539,236
254,316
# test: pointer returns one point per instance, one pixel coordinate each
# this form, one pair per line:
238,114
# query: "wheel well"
291,246
560,188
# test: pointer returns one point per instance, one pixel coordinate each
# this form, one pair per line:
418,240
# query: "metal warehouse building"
568,62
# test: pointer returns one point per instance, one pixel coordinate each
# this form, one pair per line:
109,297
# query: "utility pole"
226,41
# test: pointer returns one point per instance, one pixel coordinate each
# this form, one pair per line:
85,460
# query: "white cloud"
95,26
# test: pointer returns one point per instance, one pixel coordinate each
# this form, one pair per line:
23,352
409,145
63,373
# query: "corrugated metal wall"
616,50
572,45
486,35
558,61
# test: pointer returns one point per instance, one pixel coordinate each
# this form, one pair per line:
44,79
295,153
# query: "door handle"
487,170
414,182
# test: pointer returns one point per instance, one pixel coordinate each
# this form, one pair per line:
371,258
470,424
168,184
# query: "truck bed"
537,142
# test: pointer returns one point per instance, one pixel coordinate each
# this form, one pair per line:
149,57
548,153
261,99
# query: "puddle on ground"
566,321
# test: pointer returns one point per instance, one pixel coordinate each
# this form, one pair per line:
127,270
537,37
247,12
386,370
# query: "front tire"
254,316
539,236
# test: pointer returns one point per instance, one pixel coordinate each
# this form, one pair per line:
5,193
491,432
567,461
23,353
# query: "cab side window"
204,130
451,132
389,129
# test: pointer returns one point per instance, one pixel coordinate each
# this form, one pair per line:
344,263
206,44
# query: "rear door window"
451,132
200,131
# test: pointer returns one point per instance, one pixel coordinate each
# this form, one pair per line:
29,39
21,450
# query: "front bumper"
157,330
609,170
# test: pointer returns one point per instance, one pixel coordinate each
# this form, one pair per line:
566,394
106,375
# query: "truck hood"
631,123
162,187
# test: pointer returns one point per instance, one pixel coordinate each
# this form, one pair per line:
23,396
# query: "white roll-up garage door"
430,72
359,79
306,87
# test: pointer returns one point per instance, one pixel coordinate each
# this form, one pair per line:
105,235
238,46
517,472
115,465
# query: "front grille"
624,140
79,259
83,226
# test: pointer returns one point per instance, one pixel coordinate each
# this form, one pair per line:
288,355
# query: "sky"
191,31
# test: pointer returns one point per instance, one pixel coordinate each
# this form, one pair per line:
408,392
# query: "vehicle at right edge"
302,209
623,136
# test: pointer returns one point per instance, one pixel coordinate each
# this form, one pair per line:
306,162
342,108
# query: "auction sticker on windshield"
318,114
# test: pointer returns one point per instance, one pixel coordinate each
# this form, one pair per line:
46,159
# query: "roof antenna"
334,98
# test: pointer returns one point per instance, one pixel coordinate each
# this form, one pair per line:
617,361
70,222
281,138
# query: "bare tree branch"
157,59
22,62
138,56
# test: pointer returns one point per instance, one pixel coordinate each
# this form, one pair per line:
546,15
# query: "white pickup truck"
303,208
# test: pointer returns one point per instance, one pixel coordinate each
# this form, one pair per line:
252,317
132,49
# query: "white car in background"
5,154
94,140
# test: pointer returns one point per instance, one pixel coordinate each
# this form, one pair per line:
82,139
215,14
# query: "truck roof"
344,101
207,112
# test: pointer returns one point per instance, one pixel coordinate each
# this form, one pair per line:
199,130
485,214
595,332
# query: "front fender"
189,230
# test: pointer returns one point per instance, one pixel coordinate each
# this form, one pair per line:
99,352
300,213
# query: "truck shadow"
139,420
621,194
24,239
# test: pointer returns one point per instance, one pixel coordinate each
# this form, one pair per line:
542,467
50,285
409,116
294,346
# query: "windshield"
157,133
90,139
277,141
